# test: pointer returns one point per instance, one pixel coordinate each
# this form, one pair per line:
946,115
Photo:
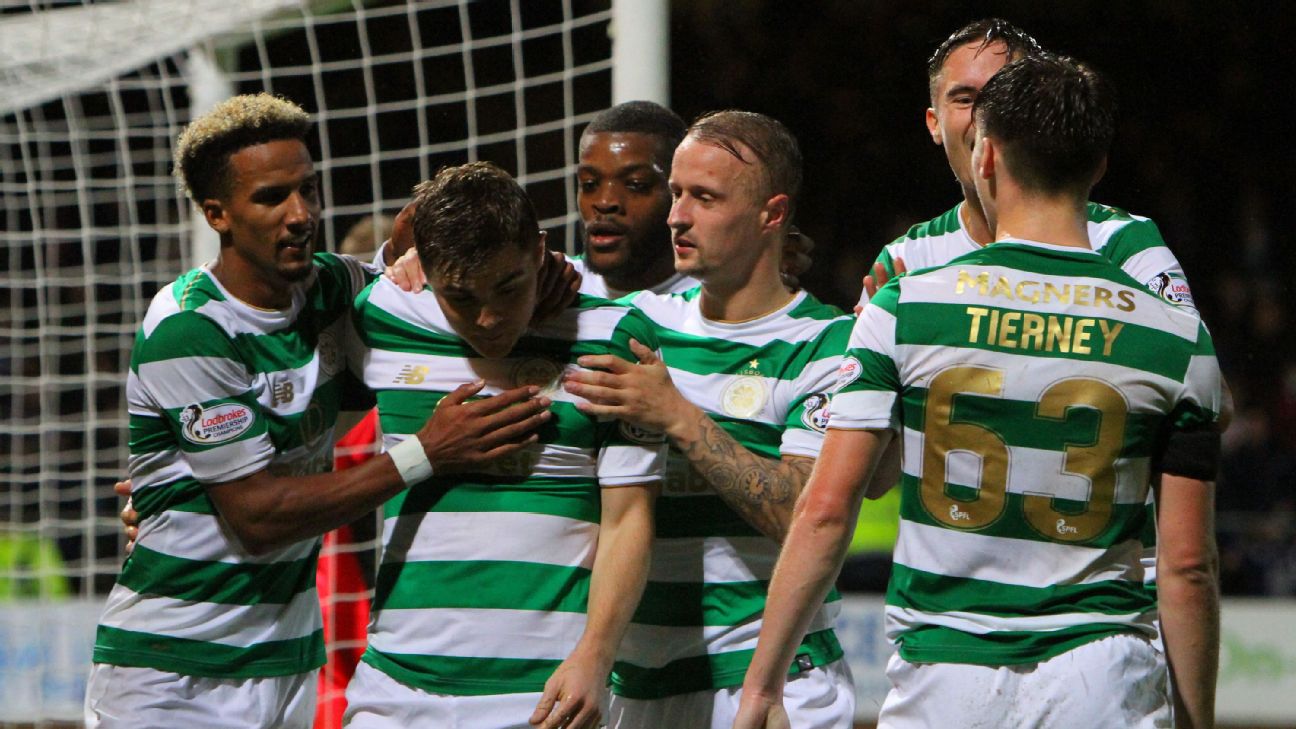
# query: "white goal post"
92,96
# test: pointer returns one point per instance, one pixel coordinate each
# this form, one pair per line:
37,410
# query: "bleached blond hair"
203,150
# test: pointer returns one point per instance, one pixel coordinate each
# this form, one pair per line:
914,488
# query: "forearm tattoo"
762,490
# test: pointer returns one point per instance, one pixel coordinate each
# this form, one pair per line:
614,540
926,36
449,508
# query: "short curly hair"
203,150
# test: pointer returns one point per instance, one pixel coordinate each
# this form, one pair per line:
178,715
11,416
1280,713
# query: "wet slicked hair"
640,117
202,153
986,32
1054,117
467,214
775,148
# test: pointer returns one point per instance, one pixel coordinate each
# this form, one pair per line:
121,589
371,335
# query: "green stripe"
186,494
384,331
406,411
699,516
937,644
949,325
212,660
723,670
711,356
763,439
935,593
149,434
464,676
686,604
1016,422
154,573
1126,521
571,498
479,584
284,349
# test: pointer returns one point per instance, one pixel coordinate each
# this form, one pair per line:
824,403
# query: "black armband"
1189,453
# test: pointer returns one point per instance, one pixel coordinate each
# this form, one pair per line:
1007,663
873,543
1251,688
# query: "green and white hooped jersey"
484,580
219,390
1132,242
1031,384
593,284
767,383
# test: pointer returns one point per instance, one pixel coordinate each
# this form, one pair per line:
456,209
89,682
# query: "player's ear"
987,157
775,212
933,126
540,247
215,213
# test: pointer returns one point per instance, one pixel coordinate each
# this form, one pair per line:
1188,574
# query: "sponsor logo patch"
1173,288
815,415
849,371
215,424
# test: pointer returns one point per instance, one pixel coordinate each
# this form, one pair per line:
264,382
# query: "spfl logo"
815,416
216,424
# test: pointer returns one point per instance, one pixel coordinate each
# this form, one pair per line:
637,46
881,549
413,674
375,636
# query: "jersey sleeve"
342,279
807,417
191,375
868,380
1144,255
627,454
1199,406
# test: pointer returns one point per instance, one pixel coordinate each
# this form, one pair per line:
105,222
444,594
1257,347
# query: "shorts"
821,698
1117,681
128,697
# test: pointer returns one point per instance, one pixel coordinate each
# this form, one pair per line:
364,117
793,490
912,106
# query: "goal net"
92,96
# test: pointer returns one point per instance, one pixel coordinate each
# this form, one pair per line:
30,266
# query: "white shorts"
821,698
378,701
1118,681
122,696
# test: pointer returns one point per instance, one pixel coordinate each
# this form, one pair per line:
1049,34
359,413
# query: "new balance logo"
411,375
281,394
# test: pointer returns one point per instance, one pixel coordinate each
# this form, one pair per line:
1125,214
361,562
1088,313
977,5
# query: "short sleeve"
627,454
868,380
191,374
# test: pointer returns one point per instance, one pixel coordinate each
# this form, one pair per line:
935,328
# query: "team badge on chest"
539,371
746,394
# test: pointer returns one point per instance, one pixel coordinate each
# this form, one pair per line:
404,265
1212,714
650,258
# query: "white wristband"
411,461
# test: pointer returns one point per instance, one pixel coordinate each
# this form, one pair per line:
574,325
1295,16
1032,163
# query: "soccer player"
237,377
956,72
1038,388
742,398
623,196
505,588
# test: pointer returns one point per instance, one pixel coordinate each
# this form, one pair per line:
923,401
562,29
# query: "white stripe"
422,310
708,393
1014,561
206,538
163,305
899,619
156,469
175,383
713,559
240,626
805,442
1202,383
674,313
871,409
387,370
491,536
874,331
624,465
477,632
1149,310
